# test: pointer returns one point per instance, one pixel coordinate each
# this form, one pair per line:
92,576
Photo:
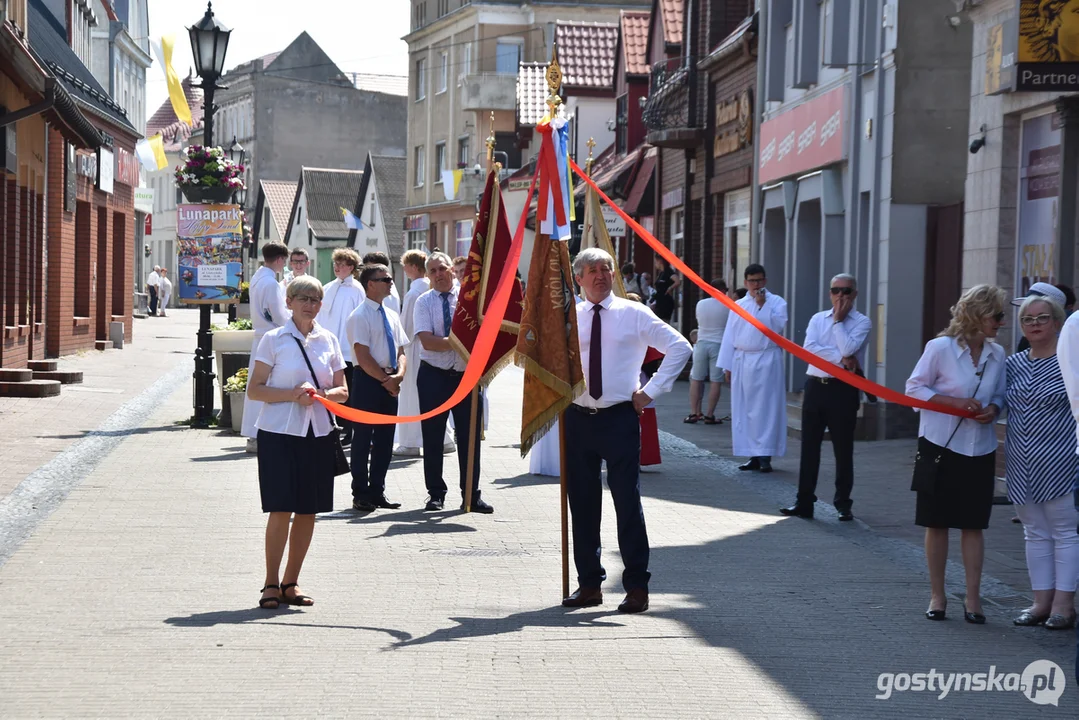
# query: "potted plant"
243,309
207,175
236,390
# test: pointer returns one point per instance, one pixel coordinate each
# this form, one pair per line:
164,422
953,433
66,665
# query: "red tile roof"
531,92
635,42
164,121
586,53
672,20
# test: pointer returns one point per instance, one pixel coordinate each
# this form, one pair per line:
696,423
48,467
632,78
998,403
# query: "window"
466,62
443,71
507,57
621,122
266,222
421,79
418,169
464,151
440,161
443,7
677,231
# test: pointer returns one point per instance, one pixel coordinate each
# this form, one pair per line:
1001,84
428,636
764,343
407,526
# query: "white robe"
268,311
339,299
758,390
543,458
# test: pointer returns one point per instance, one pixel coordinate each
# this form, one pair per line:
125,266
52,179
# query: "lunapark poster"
210,246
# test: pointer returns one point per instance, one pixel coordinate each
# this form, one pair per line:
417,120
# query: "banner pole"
564,501
473,432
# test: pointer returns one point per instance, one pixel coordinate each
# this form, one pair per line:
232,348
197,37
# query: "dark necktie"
595,356
447,321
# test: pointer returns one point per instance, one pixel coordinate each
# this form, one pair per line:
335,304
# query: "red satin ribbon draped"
798,351
550,183
481,352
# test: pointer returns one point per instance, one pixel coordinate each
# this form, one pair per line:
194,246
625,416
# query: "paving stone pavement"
135,598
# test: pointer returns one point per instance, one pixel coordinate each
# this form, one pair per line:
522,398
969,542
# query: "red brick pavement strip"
34,430
882,496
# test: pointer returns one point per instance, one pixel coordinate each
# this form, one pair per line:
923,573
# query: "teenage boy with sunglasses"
839,336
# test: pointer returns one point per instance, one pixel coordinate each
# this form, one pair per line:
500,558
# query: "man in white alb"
268,311
753,365
839,336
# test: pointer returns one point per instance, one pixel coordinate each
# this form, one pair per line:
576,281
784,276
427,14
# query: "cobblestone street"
131,558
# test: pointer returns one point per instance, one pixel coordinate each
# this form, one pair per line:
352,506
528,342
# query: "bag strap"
977,387
309,367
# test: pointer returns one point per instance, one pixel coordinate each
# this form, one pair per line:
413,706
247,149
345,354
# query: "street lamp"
237,153
209,43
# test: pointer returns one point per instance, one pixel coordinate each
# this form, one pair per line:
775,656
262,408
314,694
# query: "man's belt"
599,411
442,370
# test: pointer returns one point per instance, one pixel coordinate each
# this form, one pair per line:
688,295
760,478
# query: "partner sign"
210,247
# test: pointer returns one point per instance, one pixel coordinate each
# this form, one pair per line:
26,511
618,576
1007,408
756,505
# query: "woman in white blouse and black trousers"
962,368
295,450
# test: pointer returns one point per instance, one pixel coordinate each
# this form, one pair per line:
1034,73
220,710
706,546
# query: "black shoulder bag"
928,459
341,465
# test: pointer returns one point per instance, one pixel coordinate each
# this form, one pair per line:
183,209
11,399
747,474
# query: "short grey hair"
304,284
849,278
157,267
592,256
1054,308
439,255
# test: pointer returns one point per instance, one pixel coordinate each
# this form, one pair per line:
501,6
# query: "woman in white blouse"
964,369
296,455
342,296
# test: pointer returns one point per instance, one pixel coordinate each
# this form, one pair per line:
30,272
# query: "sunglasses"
842,291
999,317
1029,320
382,280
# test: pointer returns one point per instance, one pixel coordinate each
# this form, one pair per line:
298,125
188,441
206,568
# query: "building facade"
464,58
862,160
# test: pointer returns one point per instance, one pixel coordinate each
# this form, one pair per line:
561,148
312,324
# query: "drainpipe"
756,213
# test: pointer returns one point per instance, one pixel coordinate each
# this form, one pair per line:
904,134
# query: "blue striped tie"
447,321
389,338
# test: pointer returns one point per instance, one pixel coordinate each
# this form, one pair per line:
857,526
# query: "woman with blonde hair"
296,457
955,468
1039,450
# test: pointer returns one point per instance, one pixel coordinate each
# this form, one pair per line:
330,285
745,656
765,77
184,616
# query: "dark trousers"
370,442
832,405
153,299
435,387
345,425
613,435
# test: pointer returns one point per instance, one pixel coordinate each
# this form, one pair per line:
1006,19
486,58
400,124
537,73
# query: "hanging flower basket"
207,175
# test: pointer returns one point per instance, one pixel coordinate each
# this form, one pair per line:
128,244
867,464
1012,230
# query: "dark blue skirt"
296,473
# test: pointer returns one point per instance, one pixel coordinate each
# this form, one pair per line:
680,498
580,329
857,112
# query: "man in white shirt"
839,336
164,289
378,342
602,425
440,373
341,297
378,257
268,311
753,365
711,322
152,282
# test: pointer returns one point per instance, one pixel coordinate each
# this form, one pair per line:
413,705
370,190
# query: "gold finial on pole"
554,83
588,163
491,144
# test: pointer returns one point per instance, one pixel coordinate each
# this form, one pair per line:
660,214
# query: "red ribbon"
481,351
867,386
550,179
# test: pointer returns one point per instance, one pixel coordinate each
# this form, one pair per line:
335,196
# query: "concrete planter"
233,341
236,409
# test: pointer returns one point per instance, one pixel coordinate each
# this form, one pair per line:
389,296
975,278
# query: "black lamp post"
209,43
238,156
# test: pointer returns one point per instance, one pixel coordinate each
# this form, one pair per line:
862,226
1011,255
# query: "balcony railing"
14,11
669,112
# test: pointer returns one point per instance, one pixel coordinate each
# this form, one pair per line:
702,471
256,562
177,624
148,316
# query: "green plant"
241,324
245,292
237,383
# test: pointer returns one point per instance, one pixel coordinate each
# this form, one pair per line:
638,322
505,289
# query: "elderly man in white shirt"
440,373
839,336
378,341
268,311
343,294
754,367
152,282
602,425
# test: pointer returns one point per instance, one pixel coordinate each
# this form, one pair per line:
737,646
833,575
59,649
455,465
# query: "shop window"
83,243
119,263
101,275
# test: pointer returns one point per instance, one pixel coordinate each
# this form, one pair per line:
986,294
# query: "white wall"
591,116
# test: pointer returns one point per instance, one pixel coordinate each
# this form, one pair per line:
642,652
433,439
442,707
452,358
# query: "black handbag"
341,465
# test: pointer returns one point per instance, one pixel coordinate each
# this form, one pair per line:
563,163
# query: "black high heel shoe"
972,617
936,615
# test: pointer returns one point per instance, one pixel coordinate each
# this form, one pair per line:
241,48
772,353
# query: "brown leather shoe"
636,601
584,597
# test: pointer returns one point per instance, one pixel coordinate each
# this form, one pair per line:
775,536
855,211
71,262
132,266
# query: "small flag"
451,182
176,90
151,152
351,221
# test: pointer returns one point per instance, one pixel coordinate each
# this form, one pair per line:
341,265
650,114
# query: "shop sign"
804,138
519,185
127,168
616,226
416,223
86,165
144,199
734,125
1039,200
105,170
148,225
70,169
1032,51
